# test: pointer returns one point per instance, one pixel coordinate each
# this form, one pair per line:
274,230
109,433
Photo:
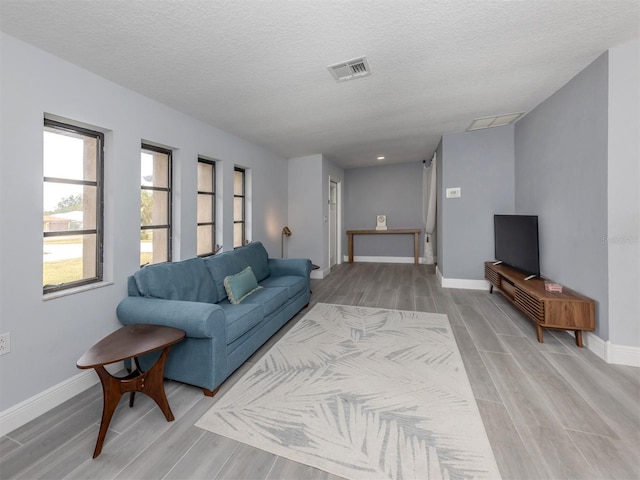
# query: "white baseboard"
623,355
365,259
595,344
611,352
463,283
33,407
319,274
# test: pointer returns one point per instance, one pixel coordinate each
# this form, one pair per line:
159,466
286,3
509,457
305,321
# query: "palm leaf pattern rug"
362,393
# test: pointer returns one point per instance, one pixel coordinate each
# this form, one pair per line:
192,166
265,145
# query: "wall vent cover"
350,70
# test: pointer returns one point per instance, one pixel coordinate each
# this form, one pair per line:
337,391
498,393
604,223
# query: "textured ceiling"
257,69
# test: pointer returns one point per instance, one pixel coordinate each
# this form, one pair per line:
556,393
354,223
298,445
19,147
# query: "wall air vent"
350,70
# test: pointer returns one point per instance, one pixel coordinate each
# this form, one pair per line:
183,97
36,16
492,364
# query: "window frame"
214,247
98,231
169,189
244,207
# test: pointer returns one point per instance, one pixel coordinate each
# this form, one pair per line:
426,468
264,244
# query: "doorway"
333,223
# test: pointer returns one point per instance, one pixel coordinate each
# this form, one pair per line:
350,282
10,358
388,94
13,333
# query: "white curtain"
429,208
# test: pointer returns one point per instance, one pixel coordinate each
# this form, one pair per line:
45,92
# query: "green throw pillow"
240,285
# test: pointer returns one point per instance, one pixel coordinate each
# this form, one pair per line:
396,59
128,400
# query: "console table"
568,310
392,231
130,342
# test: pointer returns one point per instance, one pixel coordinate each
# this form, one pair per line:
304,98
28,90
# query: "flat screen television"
516,242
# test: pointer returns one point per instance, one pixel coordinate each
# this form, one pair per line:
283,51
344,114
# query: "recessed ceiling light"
380,157
494,121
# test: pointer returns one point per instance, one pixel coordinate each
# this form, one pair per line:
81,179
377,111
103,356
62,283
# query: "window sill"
74,290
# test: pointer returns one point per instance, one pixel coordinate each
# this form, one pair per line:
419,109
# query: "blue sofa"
220,336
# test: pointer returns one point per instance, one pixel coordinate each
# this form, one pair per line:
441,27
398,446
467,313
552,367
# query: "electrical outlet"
5,343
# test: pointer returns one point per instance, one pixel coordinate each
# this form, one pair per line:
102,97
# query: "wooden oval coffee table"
130,342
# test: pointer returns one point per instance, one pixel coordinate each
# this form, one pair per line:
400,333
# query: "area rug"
362,393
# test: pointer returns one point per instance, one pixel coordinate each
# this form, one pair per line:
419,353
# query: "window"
155,205
206,208
72,206
239,204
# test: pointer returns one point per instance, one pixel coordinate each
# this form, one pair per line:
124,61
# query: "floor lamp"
286,232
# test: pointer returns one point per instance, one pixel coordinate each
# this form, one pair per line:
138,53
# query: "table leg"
150,383
350,248
110,399
154,388
579,338
133,374
416,247
539,331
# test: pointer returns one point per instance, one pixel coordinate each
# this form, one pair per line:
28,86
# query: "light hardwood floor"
551,410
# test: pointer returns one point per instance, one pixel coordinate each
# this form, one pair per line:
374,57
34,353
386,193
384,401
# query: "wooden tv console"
565,311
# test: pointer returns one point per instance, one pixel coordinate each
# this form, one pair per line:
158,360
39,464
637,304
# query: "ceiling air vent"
349,70
494,121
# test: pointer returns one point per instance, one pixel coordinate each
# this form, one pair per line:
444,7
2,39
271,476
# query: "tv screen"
516,242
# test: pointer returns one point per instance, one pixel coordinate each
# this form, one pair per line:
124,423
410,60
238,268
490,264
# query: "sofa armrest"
198,320
290,266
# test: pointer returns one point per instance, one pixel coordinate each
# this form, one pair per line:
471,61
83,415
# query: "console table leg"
539,330
579,338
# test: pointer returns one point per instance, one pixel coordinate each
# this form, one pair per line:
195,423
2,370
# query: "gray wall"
309,178
308,207
393,190
48,337
480,163
561,176
305,208
623,176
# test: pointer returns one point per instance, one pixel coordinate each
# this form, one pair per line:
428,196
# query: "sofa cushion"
292,283
240,318
188,280
271,299
221,266
257,258
300,267
240,285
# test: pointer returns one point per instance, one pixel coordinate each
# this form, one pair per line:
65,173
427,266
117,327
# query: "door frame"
338,219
